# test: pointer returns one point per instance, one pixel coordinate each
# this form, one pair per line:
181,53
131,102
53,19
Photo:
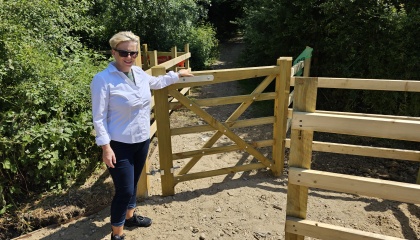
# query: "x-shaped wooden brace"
223,129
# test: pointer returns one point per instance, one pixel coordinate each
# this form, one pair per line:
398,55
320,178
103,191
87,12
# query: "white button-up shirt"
120,108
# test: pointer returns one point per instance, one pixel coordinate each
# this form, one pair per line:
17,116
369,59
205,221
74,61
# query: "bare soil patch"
246,205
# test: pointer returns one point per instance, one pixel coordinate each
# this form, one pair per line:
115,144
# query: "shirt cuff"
102,140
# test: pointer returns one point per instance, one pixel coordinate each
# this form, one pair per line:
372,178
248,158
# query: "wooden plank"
297,67
384,189
367,151
367,84
234,124
370,115
164,137
221,171
362,126
233,99
307,66
228,75
418,177
281,103
137,61
175,61
329,232
300,151
215,150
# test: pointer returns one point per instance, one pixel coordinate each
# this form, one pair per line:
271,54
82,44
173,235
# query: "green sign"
307,53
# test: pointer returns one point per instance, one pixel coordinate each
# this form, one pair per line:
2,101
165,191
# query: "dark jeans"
125,175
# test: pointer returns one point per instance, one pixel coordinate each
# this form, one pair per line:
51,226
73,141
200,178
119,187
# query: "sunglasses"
123,53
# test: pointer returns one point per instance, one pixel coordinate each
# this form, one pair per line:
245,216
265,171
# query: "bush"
161,25
45,120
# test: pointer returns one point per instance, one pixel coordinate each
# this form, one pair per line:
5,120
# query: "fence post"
418,177
163,135
145,56
154,59
281,103
174,54
137,60
307,66
300,150
187,61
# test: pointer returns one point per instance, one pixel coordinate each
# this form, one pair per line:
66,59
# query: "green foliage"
45,120
223,15
362,39
160,24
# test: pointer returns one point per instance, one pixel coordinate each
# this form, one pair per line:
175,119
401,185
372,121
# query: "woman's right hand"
108,156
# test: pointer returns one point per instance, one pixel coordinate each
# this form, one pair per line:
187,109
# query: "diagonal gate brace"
221,128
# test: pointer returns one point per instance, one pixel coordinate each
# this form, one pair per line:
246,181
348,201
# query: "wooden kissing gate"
303,120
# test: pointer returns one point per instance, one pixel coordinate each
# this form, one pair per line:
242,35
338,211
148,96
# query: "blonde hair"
124,36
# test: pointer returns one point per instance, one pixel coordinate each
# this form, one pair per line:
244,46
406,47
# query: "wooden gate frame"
281,73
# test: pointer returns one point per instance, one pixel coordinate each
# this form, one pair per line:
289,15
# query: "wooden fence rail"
306,119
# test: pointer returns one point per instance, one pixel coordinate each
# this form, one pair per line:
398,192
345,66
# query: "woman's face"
124,54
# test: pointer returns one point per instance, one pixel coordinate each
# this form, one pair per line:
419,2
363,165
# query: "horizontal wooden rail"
228,75
325,231
215,150
367,84
221,171
236,124
290,115
356,125
391,190
297,67
170,63
209,102
159,54
367,151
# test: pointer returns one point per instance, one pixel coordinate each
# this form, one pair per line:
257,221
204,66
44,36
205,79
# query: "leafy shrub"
45,121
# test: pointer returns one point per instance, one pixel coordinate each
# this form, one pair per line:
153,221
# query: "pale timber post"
281,103
137,60
153,59
164,136
418,177
307,66
300,150
187,61
143,184
146,64
174,54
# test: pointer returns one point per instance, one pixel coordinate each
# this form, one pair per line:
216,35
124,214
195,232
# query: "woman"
121,117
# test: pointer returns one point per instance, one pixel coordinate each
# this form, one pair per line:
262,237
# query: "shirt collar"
112,67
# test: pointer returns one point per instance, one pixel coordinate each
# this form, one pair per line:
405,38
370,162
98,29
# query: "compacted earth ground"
245,205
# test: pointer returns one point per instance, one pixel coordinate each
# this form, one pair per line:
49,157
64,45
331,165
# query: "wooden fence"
306,120
303,120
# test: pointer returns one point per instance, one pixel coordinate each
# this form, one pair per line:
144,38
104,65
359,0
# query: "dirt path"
246,205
